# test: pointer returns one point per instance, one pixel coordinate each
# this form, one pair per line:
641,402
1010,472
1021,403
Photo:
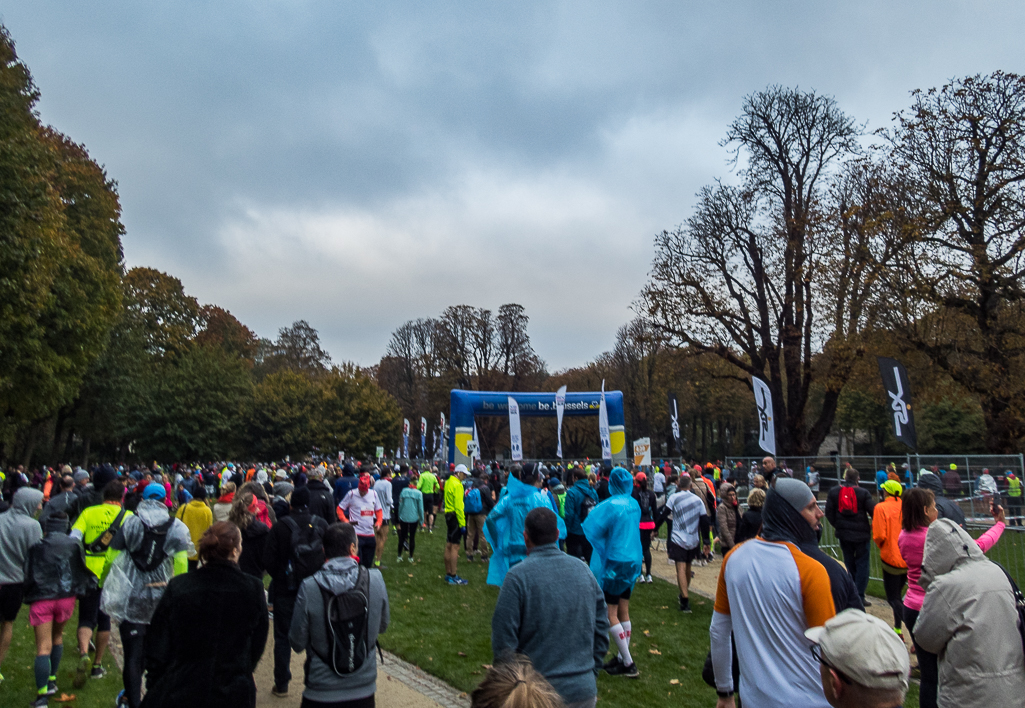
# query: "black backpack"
150,554
347,623
307,554
586,504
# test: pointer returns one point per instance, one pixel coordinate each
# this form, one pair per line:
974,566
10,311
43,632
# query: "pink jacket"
912,547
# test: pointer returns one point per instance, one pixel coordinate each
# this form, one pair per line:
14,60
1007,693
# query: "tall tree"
739,281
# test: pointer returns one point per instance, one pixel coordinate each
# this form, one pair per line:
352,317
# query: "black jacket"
945,508
56,569
322,501
278,549
748,525
254,540
852,528
205,640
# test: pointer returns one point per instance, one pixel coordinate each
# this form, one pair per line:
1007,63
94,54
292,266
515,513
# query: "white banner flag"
476,444
515,439
603,426
766,428
560,408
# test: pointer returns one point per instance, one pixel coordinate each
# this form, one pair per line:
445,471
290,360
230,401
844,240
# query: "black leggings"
133,636
893,584
928,664
407,537
646,546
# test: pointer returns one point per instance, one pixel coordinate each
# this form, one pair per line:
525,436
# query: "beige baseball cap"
863,648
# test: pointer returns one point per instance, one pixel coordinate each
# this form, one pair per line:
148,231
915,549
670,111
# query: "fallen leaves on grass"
485,666
674,682
683,668
647,633
65,698
462,653
654,651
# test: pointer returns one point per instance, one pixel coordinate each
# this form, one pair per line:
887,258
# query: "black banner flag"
674,418
895,381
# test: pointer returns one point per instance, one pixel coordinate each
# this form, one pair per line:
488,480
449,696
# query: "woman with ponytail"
515,684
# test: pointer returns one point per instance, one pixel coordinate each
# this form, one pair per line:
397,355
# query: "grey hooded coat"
19,531
969,620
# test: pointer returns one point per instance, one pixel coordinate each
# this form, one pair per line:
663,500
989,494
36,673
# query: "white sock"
619,636
626,628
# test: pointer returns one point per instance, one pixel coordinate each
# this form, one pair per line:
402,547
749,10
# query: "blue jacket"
575,495
566,642
503,528
343,486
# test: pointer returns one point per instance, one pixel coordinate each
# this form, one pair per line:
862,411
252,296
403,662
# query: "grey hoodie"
19,531
969,619
309,629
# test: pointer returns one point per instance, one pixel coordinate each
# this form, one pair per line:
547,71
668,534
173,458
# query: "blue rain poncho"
613,530
504,527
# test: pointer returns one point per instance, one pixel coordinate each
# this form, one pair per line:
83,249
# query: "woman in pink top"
918,511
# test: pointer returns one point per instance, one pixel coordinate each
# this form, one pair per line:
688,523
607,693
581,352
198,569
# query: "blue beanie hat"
153,491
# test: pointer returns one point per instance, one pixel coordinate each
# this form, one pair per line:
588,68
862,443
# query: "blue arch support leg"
467,404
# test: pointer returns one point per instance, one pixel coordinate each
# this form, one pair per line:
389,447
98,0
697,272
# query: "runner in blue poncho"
613,530
504,526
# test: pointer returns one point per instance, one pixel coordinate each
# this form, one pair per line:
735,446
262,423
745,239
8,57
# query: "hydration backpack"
150,554
307,554
347,619
848,504
473,503
585,507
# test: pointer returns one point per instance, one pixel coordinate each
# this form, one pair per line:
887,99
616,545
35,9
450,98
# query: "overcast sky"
358,165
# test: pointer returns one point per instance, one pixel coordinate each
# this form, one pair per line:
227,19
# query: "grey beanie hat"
796,492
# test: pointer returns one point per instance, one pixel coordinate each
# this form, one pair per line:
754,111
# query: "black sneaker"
610,665
98,672
40,702
630,671
51,687
618,669
685,605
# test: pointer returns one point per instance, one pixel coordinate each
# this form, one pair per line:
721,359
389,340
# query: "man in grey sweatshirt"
309,630
565,642
19,531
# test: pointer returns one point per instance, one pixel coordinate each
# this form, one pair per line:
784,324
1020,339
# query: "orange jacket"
886,518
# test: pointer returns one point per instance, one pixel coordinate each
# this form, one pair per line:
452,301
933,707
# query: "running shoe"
279,692
685,605
619,669
82,671
456,580
612,664
40,702
51,686
121,700
377,564
98,672
399,559
469,558
630,671
649,578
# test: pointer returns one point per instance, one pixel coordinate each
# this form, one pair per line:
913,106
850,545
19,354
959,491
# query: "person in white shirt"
659,483
363,510
383,489
690,525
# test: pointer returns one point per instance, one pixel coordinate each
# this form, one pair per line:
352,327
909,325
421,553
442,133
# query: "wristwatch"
723,694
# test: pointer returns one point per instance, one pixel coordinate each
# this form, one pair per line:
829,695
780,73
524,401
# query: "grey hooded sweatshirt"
309,629
969,619
19,531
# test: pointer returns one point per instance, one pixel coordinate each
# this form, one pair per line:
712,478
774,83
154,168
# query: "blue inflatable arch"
467,404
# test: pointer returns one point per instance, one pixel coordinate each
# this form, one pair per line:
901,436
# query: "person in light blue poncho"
613,530
504,526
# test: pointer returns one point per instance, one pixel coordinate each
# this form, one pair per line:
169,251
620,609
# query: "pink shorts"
56,611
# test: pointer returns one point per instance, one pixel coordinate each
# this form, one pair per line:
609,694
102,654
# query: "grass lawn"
19,686
446,631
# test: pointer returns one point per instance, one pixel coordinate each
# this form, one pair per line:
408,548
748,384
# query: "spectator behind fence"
945,508
531,603
751,522
514,684
862,663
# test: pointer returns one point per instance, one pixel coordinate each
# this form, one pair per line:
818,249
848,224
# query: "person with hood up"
198,517
580,499
157,548
970,620
311,633
613,530
54,575
945,508
503,529
728,513
771,590
19,531
222,507
208,631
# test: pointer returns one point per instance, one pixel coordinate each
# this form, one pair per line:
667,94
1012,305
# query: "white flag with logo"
515,439
476,444
603,426
766,428
560,408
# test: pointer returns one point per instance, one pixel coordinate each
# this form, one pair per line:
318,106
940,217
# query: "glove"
462,530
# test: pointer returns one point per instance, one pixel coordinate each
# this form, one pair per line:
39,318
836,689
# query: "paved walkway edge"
423,682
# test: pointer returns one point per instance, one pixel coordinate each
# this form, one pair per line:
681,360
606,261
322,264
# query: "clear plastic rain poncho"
613,530
129,594
504,527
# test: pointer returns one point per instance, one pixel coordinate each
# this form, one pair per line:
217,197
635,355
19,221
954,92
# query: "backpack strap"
99,546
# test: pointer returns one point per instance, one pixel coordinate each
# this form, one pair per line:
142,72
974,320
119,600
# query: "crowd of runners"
175,558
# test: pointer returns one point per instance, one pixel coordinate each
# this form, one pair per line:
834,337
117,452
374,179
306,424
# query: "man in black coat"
322,499
277,558
848,508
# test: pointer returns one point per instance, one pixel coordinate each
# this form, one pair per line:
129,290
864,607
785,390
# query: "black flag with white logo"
898,390
674,419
